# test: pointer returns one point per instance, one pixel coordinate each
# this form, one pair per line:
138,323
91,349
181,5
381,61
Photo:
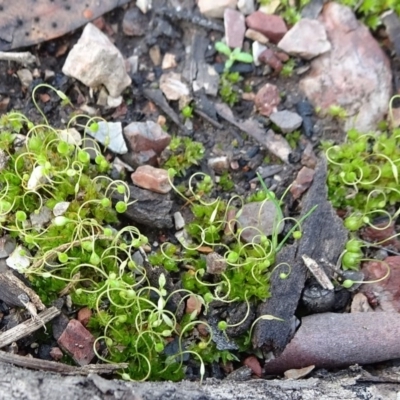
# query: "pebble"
272,26
267,99
302,182
216,264
95,61
235,28
134,22
172,86
215,8
25,77
179,221
256,36
360,303
146,136
56,353
144,5
169,61
257,49
150,178
307,39
219,164
246,7
110,133
114,102
269,170
71,136
20,259
270,58
253,363
155,55
78,342
308,158
355,74
278,145
298,373
193,303
84,315
286,121
40,219
259,218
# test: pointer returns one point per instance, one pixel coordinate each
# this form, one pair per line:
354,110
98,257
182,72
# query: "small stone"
302,182
61,208
286,121
246,7
259,218
78,342
153,179
155,55
256,36
216,264
272,26
207,78
235,28
134,22
257,49
172,86
146,136
179,221
360,303
307,39
253,363
215,8
249,96
267,99
56,353
298,373
114,102
71,136
84,315
95,61
4,104
308,158
40,219
144,5
169,61
269,57
25,77
271,7
110,135
20,259
133,62
48,74
193,303
219,164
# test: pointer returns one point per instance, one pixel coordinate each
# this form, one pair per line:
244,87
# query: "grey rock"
172,86
286,120
259,218
134,22
41,218
392,24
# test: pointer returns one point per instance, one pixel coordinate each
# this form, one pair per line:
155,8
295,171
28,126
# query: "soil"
136,107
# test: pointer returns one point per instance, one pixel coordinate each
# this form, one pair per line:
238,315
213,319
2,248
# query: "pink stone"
193,304
253,363
272,26
302,182
153,179
235,28
56,353
84,315
269,57
78,342
267,99
145,136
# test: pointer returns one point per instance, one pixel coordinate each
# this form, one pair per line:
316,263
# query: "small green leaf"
244,57
222,48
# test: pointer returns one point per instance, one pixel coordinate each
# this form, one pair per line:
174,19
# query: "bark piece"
319,240
332,340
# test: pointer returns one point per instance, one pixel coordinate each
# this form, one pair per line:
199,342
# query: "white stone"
60,208
169,61
37,177
257,49
246,7
307,39
20,259
215,8
144,5
95,61
172,86
179,221
70,136
114,102
110,135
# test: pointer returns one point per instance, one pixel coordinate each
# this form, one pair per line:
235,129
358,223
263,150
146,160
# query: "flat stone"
268,57
25,77
259,218
146,136
308,158
360,303
298,373
95,61
172,86
150,178
272,26
169,61
215,8
257,49
302,182
246,7
41,218
256,36
145,157
286,121
110,135
78,342
216,264
355,74
306,39
155,55
207,78
267,99
235,28
134,23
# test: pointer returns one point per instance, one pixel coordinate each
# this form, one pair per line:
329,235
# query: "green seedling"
233,55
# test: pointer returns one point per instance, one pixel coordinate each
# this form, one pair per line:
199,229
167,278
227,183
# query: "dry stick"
28,327
23,58
52,366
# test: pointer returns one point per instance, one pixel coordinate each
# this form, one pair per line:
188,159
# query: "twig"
318,272
27,327
23,57
52,366
209,119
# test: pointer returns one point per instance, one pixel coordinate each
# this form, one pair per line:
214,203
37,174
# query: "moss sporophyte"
58,203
